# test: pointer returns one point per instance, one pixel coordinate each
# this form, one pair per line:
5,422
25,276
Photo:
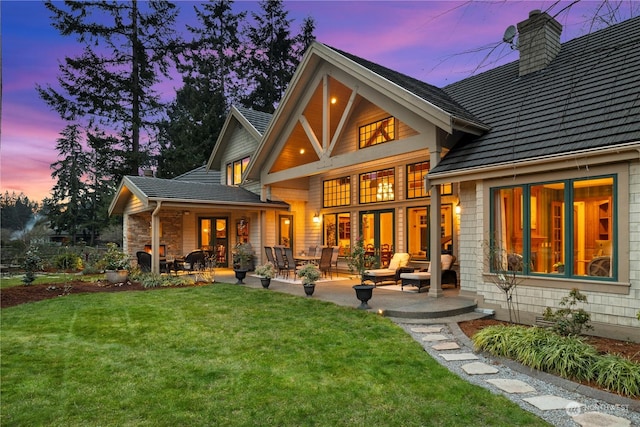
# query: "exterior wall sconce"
316,218
458,209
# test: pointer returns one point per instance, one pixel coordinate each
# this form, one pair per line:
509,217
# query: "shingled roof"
258,119
587,98
427,92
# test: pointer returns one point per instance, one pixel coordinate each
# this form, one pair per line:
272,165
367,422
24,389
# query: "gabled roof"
255,123
200,174
150,189
425,101
588,98
427,92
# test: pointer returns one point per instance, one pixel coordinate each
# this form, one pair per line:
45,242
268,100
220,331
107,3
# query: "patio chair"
290,262
268,250
334,258
281,263
422,279
325,261
389,274
599,266
144,261
195,260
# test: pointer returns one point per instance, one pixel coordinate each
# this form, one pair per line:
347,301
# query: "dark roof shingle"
587,98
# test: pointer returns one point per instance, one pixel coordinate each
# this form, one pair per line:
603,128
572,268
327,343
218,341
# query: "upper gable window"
377,133
235,171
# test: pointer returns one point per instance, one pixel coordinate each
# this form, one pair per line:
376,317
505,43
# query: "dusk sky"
438,42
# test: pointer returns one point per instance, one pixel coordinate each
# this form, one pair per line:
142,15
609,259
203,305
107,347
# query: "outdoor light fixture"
458,209
334,100
316,218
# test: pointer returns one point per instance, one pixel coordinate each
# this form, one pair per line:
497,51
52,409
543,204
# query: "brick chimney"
538,41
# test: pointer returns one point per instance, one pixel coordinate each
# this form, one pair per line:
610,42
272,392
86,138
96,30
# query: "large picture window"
377,186
377,133
564,228
235,171
336,192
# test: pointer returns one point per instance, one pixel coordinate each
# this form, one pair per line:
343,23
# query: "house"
539,157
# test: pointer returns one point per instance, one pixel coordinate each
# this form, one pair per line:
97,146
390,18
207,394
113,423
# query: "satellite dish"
509,34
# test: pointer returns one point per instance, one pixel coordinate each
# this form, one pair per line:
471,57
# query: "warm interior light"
287,222
302,151
316,218
333,100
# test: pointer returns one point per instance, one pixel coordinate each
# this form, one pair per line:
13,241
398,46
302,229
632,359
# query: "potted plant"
266,272
309,274
115,263
357,261
242,261
559,267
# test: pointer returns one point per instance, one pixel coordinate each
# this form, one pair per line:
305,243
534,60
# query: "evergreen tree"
111,83
16,211
211,84
272,55
65,210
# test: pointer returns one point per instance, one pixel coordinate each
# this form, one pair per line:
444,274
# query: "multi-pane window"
336,192
377,186
377,133
415,181
337,231
563,227
235,171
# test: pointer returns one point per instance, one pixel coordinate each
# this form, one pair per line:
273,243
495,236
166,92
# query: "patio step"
472,315
445,308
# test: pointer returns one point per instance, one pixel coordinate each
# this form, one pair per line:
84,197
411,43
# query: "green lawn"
226,355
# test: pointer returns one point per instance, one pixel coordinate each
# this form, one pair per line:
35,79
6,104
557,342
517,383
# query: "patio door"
377,229
214,238
285,231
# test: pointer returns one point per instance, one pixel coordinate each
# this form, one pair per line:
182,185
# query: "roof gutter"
627,151
209,203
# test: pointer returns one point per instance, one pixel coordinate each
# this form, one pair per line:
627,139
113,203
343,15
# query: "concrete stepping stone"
549,402
598,419
427,329
479,368
434,337
446,346
458,356
511,386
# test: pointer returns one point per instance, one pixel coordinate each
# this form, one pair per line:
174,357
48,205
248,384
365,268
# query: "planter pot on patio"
240,275
309,288
364,294
117,276
266,281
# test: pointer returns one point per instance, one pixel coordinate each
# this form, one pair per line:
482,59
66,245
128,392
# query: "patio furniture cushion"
391,274
418,279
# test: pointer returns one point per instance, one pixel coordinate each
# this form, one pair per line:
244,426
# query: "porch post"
435,290
155,239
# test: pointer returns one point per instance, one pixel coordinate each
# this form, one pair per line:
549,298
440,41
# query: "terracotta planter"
117,276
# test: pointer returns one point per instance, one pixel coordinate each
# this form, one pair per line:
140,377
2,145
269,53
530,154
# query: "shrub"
114,258
32,263
68,261
566,356
154,280
569,320
617,374
267,270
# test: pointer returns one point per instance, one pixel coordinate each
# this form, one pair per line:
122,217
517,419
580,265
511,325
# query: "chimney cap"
534,12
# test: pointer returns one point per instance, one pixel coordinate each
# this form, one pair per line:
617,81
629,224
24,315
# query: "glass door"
378,231
285,231
214,239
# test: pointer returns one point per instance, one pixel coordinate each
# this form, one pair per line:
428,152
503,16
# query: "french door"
377,229
214,238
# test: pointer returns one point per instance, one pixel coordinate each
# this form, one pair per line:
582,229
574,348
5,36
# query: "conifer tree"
111,83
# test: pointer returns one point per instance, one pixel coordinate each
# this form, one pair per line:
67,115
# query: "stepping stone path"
449,350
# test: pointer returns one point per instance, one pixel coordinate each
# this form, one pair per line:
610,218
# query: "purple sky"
438,42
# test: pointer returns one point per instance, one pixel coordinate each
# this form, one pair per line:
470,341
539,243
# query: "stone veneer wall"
138,233
611,314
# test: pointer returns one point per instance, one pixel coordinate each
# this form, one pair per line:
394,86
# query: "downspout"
155,239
